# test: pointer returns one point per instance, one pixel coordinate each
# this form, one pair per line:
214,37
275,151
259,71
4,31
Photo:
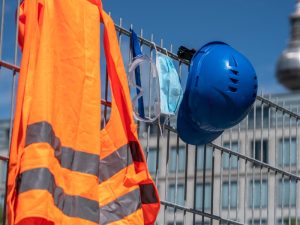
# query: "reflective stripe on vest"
73,206
76,206
42,132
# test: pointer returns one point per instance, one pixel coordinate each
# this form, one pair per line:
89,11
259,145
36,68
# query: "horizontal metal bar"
278,107
105,103
201,213
3,158
9,66
257,162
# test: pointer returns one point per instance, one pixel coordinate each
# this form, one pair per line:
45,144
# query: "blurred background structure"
250,175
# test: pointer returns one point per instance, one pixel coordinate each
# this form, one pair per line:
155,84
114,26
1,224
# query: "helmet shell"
221,88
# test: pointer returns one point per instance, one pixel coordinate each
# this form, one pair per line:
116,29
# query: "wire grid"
247,176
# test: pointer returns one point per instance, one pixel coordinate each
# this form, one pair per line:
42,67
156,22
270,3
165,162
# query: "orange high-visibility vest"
63,170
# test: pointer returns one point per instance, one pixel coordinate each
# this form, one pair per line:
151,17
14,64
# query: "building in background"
216,181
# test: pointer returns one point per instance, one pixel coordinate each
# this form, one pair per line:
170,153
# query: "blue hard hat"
220,90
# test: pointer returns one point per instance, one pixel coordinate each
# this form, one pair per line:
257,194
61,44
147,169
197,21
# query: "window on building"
259,118
233,159
200,223
229,192
151,160
207,196
286,193
3,172
224,223
177,155
287,152
7,137
4,139
176,223
259,190
258,222
286,221
2,200
176,195
200,157
260,150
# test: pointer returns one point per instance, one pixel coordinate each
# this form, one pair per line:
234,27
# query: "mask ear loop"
168,117
158,107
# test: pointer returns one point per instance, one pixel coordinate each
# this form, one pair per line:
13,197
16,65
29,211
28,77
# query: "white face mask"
170,88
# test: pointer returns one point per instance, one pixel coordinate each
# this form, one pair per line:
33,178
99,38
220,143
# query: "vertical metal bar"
254,129
245,193
167,172
276,199
290,168
229,188
204,182
246,182
261,133
268,208
282,166
254,155
229,175
238,174
212,184
268,178
282,194
2,27
261,196
157,154
261,155
282,142
253,186
176,175
149,99
185,181
276,163
150,80
195,183
297,155
221,183
141,35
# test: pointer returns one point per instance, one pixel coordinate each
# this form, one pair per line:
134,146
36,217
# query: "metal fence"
247,176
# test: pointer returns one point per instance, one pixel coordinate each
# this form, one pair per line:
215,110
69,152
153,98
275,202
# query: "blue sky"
258,28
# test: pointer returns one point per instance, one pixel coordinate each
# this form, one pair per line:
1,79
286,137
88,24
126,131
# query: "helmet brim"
189,132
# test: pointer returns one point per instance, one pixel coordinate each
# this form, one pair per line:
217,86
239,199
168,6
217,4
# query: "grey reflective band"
120,208
118,160
79,161
148,194
42,132
114,163
73,206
